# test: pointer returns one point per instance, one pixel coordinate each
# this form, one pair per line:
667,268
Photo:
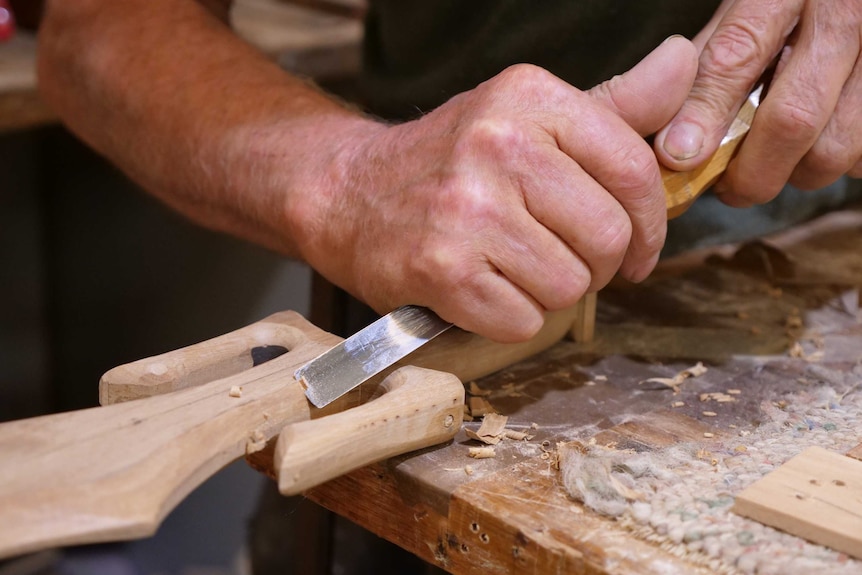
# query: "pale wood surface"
114,472
683,188
463,354
816,495
418,408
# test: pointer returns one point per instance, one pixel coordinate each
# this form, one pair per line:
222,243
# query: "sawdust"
679,497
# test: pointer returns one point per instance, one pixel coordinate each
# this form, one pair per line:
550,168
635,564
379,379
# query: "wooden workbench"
739,314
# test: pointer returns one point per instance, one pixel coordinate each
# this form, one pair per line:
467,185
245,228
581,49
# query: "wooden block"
856,452
816,495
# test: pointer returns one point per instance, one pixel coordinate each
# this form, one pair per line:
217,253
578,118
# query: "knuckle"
567,289
737,44
499,137
612,240
525,76
829,158
636,176
799,118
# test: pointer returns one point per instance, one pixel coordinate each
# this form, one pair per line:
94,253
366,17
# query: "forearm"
193,114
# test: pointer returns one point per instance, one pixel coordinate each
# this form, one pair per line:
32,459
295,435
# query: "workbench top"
775,324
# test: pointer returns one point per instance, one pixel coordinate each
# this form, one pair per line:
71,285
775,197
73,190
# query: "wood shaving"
256,442
717,396
481,452
675,381
709,413
797,351
491,430
678,404
708,434
734,391
235,391
479,406
601,378
516,435
475,390
468,469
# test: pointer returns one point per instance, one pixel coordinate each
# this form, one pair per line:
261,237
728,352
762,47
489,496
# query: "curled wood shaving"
235,391
481,452
491,430
675,381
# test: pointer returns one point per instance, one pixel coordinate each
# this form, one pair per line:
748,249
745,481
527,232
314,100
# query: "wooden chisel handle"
113,473
681,189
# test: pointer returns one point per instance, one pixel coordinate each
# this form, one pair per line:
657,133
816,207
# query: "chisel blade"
368,352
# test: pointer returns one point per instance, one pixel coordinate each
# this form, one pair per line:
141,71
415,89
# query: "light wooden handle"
681,189
418,408
114,472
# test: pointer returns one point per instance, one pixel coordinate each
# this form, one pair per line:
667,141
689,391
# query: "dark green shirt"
420,54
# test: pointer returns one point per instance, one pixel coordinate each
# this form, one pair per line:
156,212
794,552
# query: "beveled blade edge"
368,352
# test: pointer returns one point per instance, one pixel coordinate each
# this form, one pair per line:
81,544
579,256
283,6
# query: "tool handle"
681,189
114,472
418,408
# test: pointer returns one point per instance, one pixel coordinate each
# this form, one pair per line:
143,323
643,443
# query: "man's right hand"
516,197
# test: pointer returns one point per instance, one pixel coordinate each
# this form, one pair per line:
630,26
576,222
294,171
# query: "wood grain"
816,495
113,473
683,188
418,408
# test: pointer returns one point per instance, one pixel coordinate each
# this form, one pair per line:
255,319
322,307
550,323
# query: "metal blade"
368,352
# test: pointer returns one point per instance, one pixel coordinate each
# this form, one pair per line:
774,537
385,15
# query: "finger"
745,41
558,193
796,110
648,95
707,31
490,305
839,145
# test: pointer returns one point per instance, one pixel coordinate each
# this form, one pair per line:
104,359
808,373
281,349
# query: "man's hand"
808,131
511,199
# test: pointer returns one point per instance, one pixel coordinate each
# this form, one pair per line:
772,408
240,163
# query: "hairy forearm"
193,114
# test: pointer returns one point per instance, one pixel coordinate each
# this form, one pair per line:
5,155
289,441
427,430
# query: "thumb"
649,95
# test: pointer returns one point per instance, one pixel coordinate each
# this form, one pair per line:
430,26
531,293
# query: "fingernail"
671,37
684,140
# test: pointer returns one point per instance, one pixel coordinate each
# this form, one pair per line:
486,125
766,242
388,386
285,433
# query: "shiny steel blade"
368,352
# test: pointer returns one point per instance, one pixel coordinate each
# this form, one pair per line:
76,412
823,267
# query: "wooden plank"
816,495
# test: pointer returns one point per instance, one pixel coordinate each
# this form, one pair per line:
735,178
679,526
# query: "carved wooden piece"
114,472
463,354
414,412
